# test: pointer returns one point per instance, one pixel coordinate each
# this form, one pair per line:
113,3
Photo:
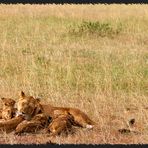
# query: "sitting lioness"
8,111
29,107
62,123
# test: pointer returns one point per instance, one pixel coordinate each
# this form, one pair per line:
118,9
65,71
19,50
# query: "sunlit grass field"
93,57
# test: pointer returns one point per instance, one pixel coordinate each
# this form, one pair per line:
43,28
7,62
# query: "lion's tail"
90,123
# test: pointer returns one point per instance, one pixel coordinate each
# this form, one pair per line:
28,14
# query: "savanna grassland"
93,57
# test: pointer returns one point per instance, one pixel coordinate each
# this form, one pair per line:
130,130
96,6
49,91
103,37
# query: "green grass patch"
97,28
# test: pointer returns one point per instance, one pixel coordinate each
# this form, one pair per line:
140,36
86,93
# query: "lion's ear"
22,94
13,102
38,100
2,99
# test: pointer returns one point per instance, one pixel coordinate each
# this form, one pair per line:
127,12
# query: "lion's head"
8,102
28,106
8,110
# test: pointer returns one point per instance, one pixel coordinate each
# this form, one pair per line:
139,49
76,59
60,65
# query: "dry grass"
45,52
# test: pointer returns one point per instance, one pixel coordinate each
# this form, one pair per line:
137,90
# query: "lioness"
8,110
61,123
29,107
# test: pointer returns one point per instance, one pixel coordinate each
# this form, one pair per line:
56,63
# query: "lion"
62,123
8,111
8,118
38,122
10,124
30,106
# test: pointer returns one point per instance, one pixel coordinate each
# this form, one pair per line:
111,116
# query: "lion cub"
36,123
60,124
8,110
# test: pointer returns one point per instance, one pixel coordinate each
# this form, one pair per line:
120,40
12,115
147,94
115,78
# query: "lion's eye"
7,104
12,103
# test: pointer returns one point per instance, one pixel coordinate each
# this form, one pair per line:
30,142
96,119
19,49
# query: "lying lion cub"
11,124
36,123
29,106
62,123
8,111
8,120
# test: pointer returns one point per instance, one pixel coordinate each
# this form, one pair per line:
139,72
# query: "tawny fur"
31,106
36,123
60,124
8,111
11,124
